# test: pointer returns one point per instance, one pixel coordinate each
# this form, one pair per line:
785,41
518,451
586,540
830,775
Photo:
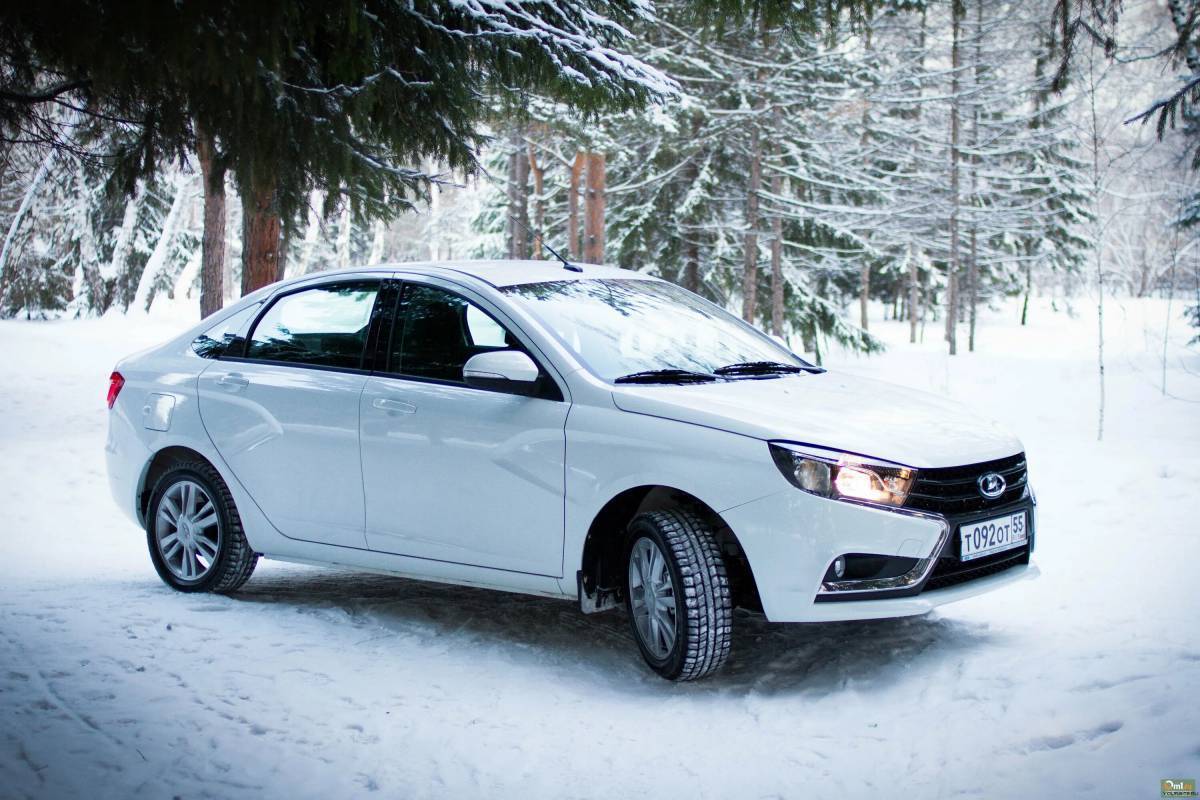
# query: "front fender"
610,451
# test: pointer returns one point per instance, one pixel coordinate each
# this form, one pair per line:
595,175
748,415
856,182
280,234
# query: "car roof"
501,273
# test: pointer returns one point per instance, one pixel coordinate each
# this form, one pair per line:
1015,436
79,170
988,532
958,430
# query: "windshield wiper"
667,376
764,368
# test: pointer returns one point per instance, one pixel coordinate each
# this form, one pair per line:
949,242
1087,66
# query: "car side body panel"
130,448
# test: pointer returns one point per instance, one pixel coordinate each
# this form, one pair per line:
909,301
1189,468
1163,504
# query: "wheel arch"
162,461
601,563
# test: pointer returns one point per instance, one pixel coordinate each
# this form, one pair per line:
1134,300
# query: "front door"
284,413
454,473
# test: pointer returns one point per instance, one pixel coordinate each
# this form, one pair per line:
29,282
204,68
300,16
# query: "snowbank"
315,683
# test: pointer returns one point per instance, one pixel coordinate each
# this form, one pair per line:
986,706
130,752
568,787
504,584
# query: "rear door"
454,473
282,408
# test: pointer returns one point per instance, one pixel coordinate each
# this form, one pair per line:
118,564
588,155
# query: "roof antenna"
567,265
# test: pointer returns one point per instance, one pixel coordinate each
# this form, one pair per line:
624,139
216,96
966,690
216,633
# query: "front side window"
438,331
325,326
626,325
216,341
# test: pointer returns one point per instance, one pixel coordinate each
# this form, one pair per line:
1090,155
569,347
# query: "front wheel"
194,531
677,594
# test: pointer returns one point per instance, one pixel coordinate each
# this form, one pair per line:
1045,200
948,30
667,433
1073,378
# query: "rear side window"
215,341
439,331
325,326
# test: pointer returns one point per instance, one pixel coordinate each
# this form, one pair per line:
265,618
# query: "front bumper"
791,538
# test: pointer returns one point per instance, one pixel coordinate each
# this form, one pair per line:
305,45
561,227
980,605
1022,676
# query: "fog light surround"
844,476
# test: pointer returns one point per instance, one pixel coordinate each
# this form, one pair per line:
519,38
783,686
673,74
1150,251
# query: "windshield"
619,327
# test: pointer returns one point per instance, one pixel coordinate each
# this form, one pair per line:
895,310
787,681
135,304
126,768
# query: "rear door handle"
385,404
233,381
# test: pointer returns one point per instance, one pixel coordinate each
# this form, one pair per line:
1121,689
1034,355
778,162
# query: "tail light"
115,382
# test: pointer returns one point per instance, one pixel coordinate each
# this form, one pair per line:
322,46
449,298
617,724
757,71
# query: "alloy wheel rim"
652,598
188,531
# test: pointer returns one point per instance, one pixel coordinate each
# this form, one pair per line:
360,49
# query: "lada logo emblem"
992,485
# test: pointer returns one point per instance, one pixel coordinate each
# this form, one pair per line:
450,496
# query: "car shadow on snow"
547,634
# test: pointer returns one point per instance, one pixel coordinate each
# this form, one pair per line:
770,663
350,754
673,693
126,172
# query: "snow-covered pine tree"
1055,194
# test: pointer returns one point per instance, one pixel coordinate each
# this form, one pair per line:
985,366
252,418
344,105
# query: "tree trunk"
261,241
691,245
777,241
1028,291
593,215
691,264
916,308
913,294
1170,298
690,230
972,290
777,261
1143,272
510,189
864,275
864,295
952,267
539,202
518,197
212,265
750,261
573,250
431,227
925,304
1098,245
973,277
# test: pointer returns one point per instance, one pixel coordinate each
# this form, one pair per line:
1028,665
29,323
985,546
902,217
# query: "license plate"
990,536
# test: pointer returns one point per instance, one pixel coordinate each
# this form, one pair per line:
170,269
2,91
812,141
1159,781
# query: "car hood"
833,410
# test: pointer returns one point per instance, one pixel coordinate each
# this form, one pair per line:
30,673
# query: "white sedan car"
576,432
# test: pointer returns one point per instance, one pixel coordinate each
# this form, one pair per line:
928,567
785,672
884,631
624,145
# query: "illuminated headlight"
842,476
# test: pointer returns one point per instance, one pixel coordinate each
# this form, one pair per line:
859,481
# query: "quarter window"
325,326
440,331
218,339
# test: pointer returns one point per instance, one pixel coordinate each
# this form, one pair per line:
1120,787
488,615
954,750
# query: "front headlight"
842,476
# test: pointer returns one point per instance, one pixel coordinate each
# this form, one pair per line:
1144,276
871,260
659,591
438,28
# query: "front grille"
955,490
951,570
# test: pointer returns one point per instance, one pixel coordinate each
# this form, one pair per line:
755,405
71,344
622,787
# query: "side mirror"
502,371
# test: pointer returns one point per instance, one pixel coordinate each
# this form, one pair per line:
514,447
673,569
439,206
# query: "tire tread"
707,598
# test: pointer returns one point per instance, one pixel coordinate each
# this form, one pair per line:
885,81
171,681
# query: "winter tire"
677,594
194,531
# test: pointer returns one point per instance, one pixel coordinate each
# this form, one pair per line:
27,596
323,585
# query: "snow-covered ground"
315,683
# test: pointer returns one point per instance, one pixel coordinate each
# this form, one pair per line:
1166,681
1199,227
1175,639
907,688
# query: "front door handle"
386,404
234,381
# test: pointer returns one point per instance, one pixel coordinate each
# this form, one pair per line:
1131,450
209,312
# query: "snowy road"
314,683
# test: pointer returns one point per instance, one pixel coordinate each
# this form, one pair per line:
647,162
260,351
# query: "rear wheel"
194,532
677,594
